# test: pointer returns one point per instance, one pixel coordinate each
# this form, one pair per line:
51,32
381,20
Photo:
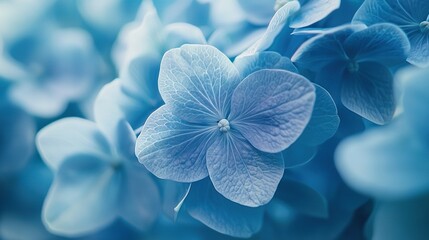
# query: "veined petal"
174,149
313,11
419,49
205,204
198,80
279,20
242,173
369,92
263,60
384,43
385,163
271,108
83,197
70,136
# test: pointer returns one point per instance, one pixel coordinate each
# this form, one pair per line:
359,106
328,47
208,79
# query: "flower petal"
69,136
369,92
140,200
263,60
198,81
324,120
205,204
83,196
384,43
313,11
419,48
241,173
277,23
385,163
325,48
172,148
271,108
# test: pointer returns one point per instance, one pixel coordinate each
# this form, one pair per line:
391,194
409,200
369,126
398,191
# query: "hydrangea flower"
97,178
138,55
390,164
412,16
59,65
353,61
210,126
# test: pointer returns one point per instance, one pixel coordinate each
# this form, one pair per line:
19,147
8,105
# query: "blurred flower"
97,178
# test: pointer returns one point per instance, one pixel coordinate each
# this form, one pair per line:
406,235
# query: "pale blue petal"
419,49
140,199
415,99
172,148
384,42
124,140
37,100
271,108
233,40
324,120
313,11
277,23
369,92
406,219
325,48
16,137
258,12
385,163
83,197
241,173
177,34
302,198
205,204
113,104
263,60
189,11
69,136
198,80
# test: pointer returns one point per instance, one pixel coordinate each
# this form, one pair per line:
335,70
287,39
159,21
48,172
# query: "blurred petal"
369,92
177,34
384,43
263,60
241,173
389,162
140,200
198,81
277,112
83,197
205,204
302,198
172,148
69,136
407,219
258,12
313,11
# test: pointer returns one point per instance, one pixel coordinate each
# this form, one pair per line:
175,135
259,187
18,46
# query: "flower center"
353,67
223,125
424,27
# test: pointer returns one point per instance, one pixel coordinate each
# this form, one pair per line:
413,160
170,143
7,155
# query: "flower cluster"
214,119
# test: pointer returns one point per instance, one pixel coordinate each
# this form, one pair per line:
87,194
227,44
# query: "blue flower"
353,61
97,178
216,124
412,16
391,164
59,67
